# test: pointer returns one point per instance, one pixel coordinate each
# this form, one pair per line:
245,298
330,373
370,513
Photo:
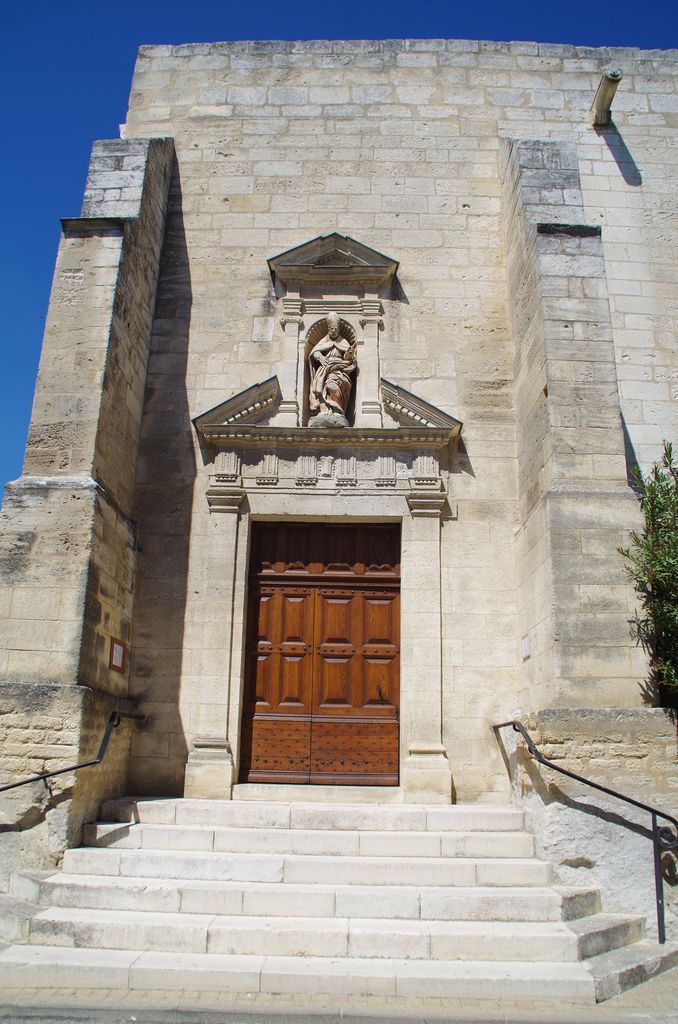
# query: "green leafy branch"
652,558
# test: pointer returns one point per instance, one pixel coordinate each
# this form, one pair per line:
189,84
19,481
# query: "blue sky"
65,74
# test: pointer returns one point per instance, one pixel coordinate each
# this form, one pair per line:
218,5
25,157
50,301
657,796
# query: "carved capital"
293,304
290,319
426,504
224,498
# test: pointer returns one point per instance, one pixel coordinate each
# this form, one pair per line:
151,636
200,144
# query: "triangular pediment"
408,410
247,407
332,257
254,407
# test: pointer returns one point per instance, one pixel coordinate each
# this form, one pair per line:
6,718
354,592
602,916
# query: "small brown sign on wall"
117,661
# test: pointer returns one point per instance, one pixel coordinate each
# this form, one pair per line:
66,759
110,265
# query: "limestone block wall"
576,506
398,144
46,727
68,541
139,196
593,839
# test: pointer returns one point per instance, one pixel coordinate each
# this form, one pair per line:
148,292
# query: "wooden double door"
322,679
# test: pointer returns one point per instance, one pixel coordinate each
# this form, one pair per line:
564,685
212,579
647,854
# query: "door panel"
356,739
275,749
336,667
322,687
380,650
354,751
276,732
295,649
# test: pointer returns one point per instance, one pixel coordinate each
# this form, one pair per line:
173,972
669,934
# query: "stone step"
344,817
621,969
310,841
15,917
61,969
602,932
322,937
418,870
279,899
463,871
281,793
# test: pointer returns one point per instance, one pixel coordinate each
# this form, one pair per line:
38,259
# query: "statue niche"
332,364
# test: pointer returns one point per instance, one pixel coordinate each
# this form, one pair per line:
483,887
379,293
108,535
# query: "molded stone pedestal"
426,776
209,770
328,419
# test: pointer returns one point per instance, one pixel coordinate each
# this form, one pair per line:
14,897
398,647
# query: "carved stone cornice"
409,460
348,438
247,406
409,409
317,306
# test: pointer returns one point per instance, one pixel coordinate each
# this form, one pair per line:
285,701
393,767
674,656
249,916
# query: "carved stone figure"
332,363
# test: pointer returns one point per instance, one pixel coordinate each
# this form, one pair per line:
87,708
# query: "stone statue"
332,363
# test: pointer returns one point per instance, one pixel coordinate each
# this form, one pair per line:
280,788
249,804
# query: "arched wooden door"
322,683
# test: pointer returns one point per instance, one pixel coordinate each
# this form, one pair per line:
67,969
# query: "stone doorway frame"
425,774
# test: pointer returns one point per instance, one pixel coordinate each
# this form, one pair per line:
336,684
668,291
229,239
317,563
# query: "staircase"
334,901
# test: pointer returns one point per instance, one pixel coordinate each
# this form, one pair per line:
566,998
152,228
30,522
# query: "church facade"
349,358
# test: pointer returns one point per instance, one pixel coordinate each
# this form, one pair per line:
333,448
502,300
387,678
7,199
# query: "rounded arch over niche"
314,334
318,330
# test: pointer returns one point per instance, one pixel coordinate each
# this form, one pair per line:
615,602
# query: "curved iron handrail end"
663,839
114,721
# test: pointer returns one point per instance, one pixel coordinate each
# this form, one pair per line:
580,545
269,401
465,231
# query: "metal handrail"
663,838
113,723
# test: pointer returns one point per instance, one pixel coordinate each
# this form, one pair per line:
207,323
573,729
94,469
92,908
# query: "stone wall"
68,541
376,103
575,504
593,839
398,144
45,727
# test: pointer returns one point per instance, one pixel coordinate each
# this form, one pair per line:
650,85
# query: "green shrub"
653,569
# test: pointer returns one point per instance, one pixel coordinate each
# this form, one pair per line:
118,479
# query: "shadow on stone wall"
590,838
611,135
162,507
632,464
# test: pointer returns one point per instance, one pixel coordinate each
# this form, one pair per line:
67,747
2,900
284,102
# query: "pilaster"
426,773
371,322
289,413
210,772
